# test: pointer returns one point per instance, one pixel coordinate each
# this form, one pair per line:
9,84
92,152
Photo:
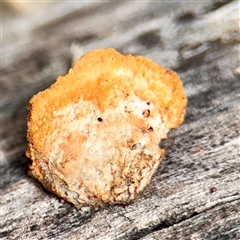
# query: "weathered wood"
197,193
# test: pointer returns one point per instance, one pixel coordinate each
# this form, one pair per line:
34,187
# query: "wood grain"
196,195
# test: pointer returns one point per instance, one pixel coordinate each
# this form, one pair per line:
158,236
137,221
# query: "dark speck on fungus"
136,145
146,113
150,129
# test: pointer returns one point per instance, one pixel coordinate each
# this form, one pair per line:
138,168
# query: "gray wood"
196,195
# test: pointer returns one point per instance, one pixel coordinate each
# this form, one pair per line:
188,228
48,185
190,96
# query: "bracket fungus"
93,136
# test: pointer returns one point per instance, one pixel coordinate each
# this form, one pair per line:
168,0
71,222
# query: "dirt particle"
213,189
100,119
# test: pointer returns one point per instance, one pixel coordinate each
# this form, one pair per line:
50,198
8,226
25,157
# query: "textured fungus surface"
94,134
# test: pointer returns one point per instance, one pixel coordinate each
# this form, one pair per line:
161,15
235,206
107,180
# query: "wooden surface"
196,195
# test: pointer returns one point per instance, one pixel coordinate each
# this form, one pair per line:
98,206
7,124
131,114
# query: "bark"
196,195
